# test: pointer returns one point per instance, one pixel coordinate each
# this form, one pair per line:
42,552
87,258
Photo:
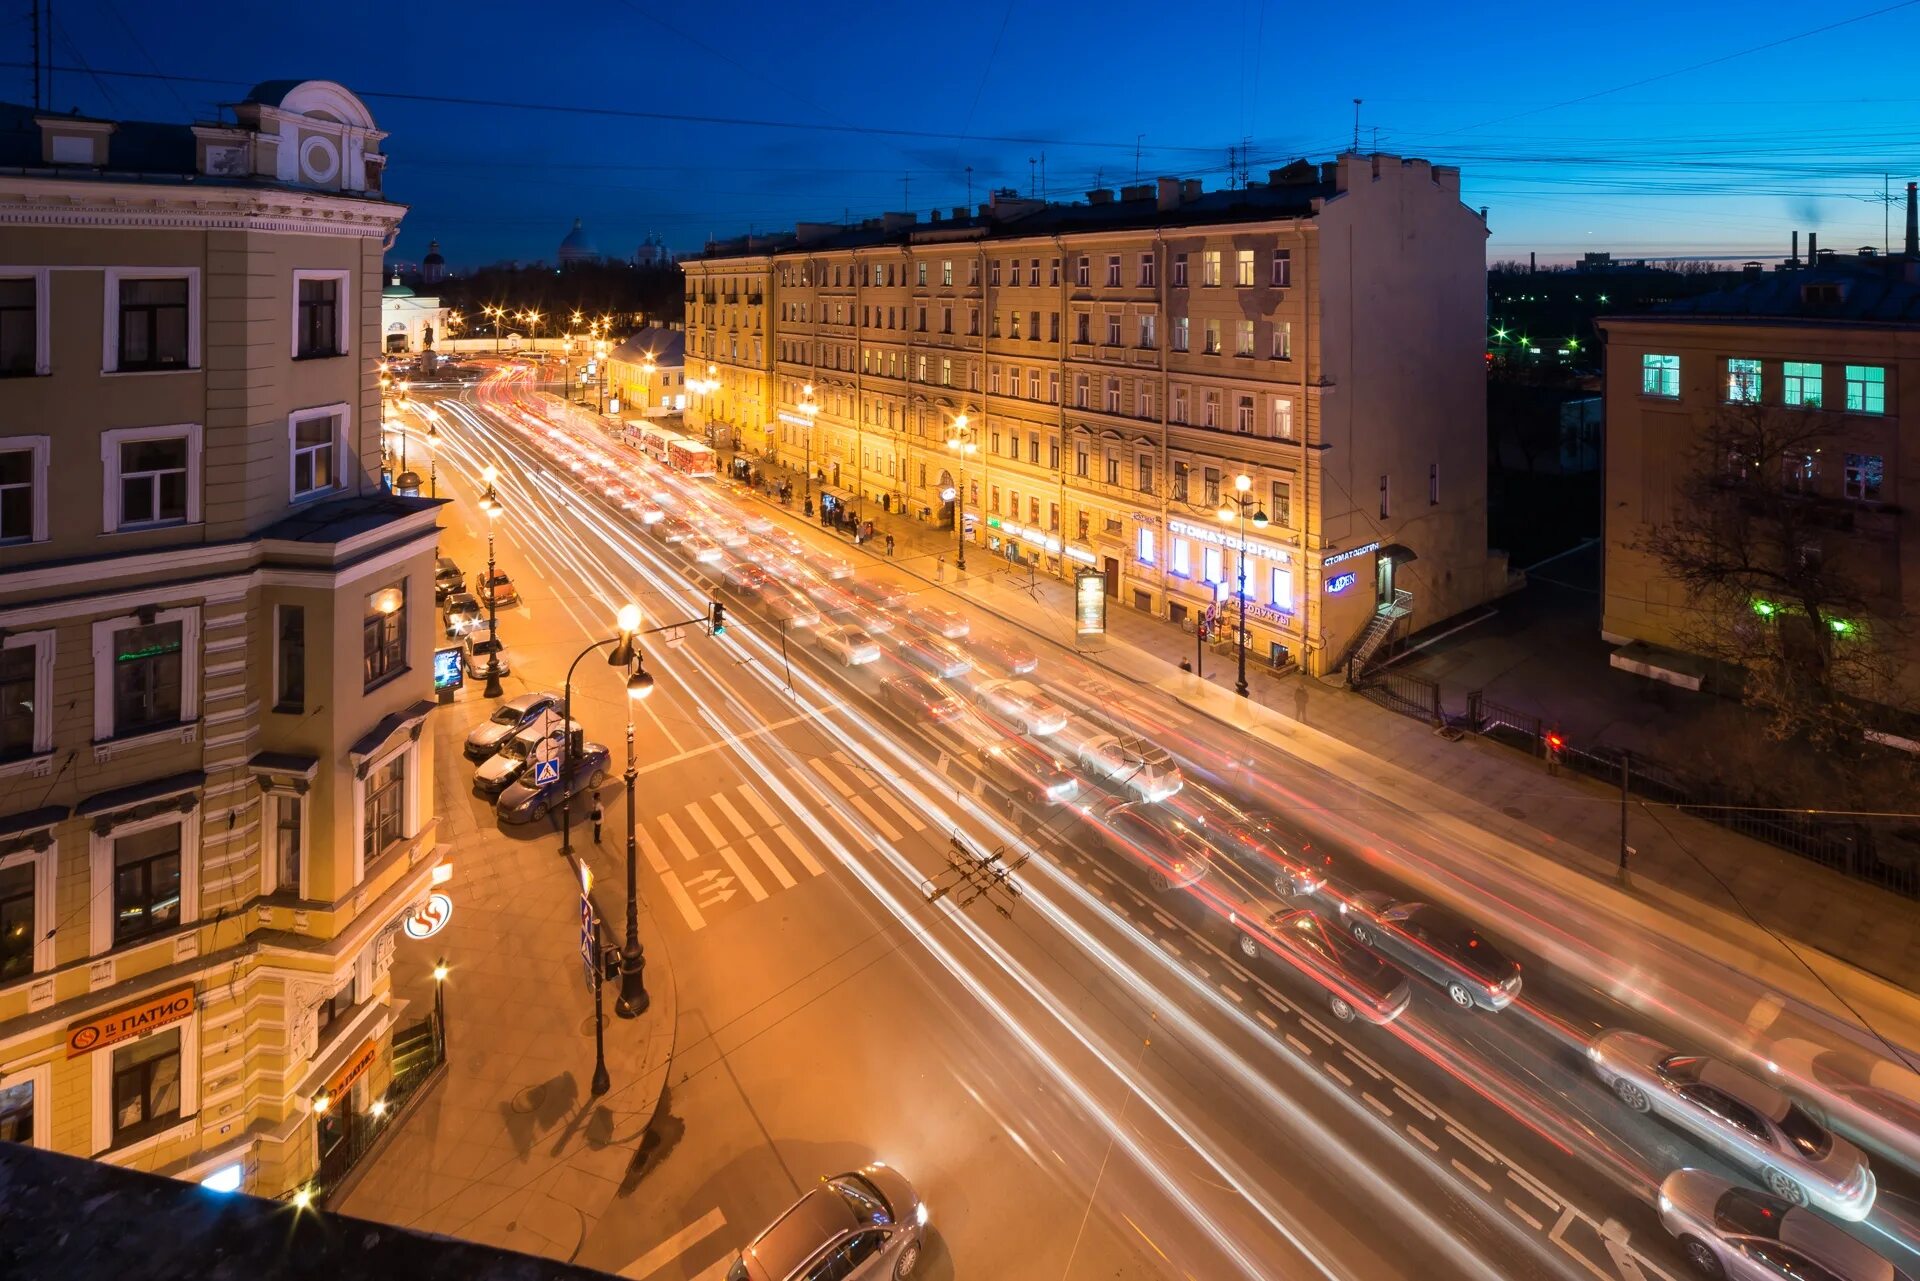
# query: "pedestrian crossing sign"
547,771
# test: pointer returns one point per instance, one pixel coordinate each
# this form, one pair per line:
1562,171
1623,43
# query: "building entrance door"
1383,580
1112,568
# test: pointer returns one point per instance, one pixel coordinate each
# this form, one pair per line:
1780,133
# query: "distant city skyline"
1689,146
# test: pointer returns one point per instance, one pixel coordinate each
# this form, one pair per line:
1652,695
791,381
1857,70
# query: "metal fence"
1405,693
419,1052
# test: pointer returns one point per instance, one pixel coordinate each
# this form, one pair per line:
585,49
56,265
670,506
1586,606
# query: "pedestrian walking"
599,817
889,544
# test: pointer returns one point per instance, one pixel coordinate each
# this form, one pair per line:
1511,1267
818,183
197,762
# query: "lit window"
1660,376
1243,268
1146,547
1864,473
1866,389
1743,382
1210,267
1800,383
1280,589
1213,565
1182,559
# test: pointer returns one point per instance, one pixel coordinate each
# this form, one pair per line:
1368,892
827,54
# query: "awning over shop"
1398,553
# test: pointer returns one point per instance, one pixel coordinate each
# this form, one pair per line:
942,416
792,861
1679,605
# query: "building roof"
1854,295
338,519
668,347
138,146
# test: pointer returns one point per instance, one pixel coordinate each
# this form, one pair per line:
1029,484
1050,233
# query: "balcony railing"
419,1057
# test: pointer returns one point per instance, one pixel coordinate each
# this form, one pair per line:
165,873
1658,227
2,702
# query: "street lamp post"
963,442
433,459
809,409
1239,505
490,504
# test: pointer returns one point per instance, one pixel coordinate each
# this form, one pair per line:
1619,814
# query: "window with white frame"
1146,547
946,371
148,1094
1210,267
1866,389
1113,395
1033,383
1280,504
26,695
315,445
1177,405
1053,387
1143,472
290,659
1180,332
1243,414
146,880
1147,280
1210,409
1147,333
287,862
1243,345
1243,268
1113,271
1283,340
384,633
1113,329
26,1114
1210,487
23,322
1143,399
152,320
1743,382
26,913
23,488
1179,280
1080,391
1282,418
993,380
1083,270
1660,376
146,674
1282,268
384,807
152,477
1212,347
321,314
1800,383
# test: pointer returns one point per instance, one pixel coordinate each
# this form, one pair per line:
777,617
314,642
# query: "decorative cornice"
185,207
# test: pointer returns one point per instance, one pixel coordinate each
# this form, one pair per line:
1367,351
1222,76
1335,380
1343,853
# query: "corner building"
215,642
1120,361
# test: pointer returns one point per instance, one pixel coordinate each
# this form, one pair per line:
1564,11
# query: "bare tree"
1760,542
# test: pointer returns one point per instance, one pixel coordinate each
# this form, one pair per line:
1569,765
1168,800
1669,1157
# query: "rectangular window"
1113,271
1866,389
993,380
18,934
1660,376
1080,391
1243,344
1213,565
1083,271
319,327
1146,547
1182,559
946,271
1280,589
1182,482
879,273
1053,387
1800,383
1113,469
1147,330
1210,488
1383,496
20,700
1743,382
385,808
1243,268
1083,328
147,677
920,318
154,481
1179,271
993,273
290,660
1053,326
946,371
993,499
1033,324
1282,268
1180,331
384,633
146,883
23,516
1143,399
153,324
1280,505
1864,473
946,320
1033,448
1283,340
1014,320
1799,472
1080,461
1210,267
1053,461
1143,472
1243,415
1113,395
289,840
1113,329
1033,384
1177,410
1147,280
973,271
313,454
1053,276
1282,418
146,1086
19,326
1212,347
1210,410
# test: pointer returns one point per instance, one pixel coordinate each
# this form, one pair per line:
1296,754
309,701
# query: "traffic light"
716,619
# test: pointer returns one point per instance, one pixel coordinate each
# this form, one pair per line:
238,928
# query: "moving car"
1741,1118
726,533
879,593
1022,705
745,578
499,591
448,578
788,606
1358,984
920,698
950,623
462,612
934,656
701,550
851,615
1003,656
850,645
1436,944
1025,771
868,1225
1142,769
500,769
1743,1234
525,801
1172,850
482,652
827,565
672,529
1290,864
508,719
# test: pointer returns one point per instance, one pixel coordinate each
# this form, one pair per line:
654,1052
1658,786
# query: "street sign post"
589,928
547,771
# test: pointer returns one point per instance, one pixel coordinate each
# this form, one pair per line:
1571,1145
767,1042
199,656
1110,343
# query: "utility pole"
1356,124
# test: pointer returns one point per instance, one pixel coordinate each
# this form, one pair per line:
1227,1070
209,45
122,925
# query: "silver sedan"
1740,1118
866,1225
1743,1234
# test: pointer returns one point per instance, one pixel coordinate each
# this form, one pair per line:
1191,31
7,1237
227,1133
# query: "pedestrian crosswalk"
741,842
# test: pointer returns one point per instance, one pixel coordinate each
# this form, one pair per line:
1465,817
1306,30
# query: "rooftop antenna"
1043,175
906,188
1356,124
1246,145
1099,178
1033,186
1138,138
969,187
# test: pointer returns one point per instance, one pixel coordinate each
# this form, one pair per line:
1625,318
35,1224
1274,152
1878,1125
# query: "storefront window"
1213,565
146,1086
1146,547
1182,558
16,1113
1282,589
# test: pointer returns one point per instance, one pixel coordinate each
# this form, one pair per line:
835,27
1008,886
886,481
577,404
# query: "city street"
1086,1077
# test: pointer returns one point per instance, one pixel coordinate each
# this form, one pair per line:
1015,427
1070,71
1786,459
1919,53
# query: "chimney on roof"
1913,223
933,215
1795,260
1169,195
1139,191
1100,196
959,213
1189,189
1813,249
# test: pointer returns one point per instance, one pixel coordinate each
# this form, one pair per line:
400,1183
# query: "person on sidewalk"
599,817
889,544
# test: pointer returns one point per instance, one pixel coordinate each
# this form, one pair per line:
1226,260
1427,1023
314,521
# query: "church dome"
576,247
433,254
396,289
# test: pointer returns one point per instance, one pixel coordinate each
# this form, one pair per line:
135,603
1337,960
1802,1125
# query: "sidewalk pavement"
509,1149
1683,865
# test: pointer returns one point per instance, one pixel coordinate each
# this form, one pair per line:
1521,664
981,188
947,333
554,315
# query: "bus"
690,457
650,439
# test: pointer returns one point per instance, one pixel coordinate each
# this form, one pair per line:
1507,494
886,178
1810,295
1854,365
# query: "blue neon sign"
1339,583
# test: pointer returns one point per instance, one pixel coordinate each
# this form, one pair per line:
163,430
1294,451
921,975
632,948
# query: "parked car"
482,652
500,769
850,645
462,612
1358,984
1173,852
1009,657
950,623
1026,771
448,578
499,591
1142,769
864,1226
1739,1117
1744,1234
526,801
508,719
934,656
1436,944
1022,705
921,699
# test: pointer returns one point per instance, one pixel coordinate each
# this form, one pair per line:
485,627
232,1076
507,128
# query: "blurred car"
920,698
827,565
1274,853
851,615
950,623
526,801
498,591
1739,1117
933,656
508,719
1173,852
1003,656
1436,944
482,651
1867,1097
850,645
701,550
754,523
462,612
1358,984
448,578
879,593
1743,1234
672,529
788,606
725,532
1025,771
1142,769
505,765
745,578
864,1226
1023,705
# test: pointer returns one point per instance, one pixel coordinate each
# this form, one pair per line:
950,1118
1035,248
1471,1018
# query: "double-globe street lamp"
1238,505
625,654
491,505
809,409
964,442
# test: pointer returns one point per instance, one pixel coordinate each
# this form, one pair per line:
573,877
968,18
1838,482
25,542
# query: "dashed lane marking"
1421,1108
1378,1106
774,865
1523,1216
1478,1148
1267,1019
1338,1075
1297,1043
1426,1142
1232,995
1472,1176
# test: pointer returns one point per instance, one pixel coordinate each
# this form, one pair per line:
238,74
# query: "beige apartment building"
216,638
1117,363
1834,341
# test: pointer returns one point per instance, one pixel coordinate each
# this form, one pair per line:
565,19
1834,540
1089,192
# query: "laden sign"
129,1021
353,1069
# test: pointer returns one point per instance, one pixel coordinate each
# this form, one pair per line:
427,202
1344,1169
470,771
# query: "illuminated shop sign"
793,420
1340,582
1222,538
1349,554
1090,602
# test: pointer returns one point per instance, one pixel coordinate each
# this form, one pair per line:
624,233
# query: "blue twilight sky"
1788,125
